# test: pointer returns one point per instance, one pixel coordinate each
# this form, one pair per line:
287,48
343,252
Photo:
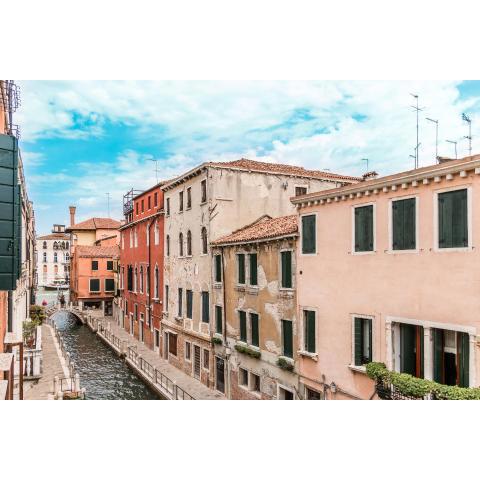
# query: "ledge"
358,368
304,353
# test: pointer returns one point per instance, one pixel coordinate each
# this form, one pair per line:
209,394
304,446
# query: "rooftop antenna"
418,110
467,119
455,143
365,160
436,136
156,166
414,158
108,203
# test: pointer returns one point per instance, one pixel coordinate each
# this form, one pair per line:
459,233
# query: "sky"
83,139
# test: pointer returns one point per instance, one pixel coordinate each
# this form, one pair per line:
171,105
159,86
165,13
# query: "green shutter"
241,268
308,234
370,341
453,219
218,319
243,325
218,268
463,353
358,341
407,349
287,331
364,229
403,224
180,301
189,304
398,225
205,307
409,224
310,331
437,355
254,329
286,269
253,269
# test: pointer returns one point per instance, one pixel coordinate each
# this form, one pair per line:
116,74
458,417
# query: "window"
309,234
141,279
204,191
189,197
204,240
254,329
412,349
168,206
136,208
172,344
45,257
130,278
94,285
255,382
218,319
180,245
109,285
94,264
364,229
403,224
143,205
205,307
300,191
55,258
243,325
189,295
149,202
135,312
241,268
285,394
287,338
180,302
286,260
206,359
147,280
147,233
110,265
156,283
189,243
309,331
180,201
168,245
166,298
155,199
312,394
188,351
218,268
452,219
135,238
253,269
67,257
135,279
44,244
243,377
156,234
363,341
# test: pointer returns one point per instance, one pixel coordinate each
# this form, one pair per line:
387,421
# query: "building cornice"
258,240
140,220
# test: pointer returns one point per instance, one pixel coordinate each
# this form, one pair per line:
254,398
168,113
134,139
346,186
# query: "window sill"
253,290
240,288
203,203
453,249
304,353
217,285
402,252
179,319
369,252
358,368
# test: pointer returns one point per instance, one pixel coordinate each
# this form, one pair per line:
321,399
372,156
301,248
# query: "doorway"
196,361
411,349
220,374
141,333
157,341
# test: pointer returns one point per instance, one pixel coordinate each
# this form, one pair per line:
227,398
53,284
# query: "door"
131,325
141,330
411,349
157,340
165,345
220,374
196,361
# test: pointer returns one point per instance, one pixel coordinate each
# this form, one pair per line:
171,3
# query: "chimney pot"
72,215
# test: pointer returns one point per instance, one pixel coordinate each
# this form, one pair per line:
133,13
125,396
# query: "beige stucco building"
202,205
388,271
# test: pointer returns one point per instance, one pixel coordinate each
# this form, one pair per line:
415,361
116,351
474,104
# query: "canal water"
104,375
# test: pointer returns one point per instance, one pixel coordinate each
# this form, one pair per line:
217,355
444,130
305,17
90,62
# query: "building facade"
53,258
255,310
388,271
201,206
140,304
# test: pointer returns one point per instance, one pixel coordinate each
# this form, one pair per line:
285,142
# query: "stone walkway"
192,386
43,388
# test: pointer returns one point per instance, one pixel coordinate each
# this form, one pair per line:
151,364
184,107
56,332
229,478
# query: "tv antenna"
436,136
156,166
108,203
467,119
418,110
365,160
455,143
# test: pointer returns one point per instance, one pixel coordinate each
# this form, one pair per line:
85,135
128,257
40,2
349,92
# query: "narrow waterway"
104,375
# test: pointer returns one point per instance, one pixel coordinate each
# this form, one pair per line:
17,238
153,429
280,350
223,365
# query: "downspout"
150,313
10,311
225,323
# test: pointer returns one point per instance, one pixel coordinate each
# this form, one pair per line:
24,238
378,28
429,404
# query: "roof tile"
94,251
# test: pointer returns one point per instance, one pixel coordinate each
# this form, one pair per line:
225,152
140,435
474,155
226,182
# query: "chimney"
369,176
72,215
445,159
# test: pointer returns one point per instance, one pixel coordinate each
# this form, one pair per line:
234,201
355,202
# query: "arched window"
189,243
67,246
135,278
141,279
63,245
67,257
55,259
168,245
155,293
54,245
131,239
180,245
44,269
156,234
147,280
55,269
204,240
45,244
44,256
135,238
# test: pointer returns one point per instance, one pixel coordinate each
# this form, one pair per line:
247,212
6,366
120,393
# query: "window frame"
189,198
203,191
374,228
93,262
105,285
436,232
390,224
353,316
283,339
217,307
303,351
300,186
312,254
189,350
280,269
237,269
90,285
249,269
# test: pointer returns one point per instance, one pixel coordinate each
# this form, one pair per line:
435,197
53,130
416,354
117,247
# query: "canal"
104,375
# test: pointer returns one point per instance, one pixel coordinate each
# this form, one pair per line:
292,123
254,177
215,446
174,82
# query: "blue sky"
81,140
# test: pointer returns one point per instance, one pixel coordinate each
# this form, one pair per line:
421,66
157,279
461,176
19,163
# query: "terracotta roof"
94,224
95,251
263,229
254,165
55,236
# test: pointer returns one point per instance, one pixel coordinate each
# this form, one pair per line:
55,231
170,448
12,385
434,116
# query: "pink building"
388,270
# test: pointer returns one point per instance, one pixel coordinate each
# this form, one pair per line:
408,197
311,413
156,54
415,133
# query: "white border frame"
353,316
417,224
300,228
360,205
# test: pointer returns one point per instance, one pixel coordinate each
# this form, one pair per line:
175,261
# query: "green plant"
248,351
285,364
37,314
418,387
28,329
217,341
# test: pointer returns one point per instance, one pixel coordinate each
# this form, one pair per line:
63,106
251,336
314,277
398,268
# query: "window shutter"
218,319
370,344
409,224
253,269
442,234
364,229
218,268
243,325
463,353
437,355
205,307
358,341
254,329
241,268
310,331
287,328
308,234
459,220
287,269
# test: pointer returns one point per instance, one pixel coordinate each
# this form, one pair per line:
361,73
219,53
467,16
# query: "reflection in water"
104,375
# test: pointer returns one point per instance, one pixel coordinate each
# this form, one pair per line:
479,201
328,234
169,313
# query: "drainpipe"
227,358
10,311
